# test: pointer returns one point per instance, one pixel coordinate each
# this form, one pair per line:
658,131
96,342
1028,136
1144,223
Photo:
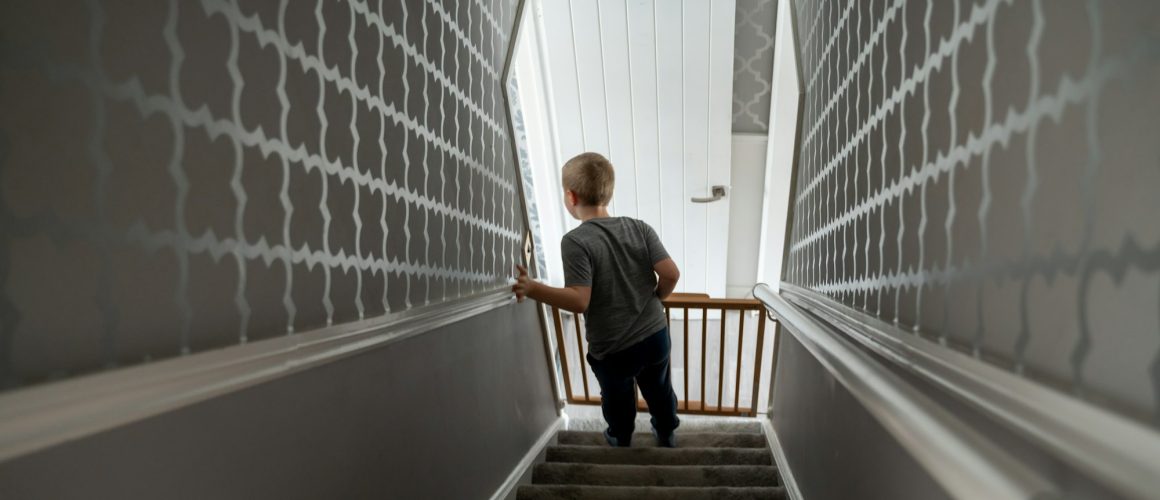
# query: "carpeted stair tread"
713,459
659,456
574,492
684,439
687,425
655,475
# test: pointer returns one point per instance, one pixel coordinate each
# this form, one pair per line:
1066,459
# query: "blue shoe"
614,442
666,441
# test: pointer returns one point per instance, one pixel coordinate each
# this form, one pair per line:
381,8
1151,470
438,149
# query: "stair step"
655,475
684,439
688,425
659,456
573,492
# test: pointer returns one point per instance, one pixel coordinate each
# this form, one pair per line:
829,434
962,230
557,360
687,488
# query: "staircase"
712,460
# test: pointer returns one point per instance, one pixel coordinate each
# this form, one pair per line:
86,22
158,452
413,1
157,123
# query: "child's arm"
663,265
667,276
569,298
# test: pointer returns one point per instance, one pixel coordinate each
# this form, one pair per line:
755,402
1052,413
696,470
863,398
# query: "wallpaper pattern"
177,176
985,173
753,64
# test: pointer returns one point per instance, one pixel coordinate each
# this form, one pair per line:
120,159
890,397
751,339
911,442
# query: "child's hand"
523,285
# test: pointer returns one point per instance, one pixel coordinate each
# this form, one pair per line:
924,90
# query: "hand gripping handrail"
960,459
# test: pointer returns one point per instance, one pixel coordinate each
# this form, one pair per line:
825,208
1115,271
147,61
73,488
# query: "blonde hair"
590,176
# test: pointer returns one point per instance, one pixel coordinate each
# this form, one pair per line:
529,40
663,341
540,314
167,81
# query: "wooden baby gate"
571,347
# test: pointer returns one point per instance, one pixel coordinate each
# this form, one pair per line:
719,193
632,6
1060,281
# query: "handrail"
38,417
701,300
1119,452
963,461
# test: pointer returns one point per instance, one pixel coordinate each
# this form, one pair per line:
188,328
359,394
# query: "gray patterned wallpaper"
985,173
753,64
177,176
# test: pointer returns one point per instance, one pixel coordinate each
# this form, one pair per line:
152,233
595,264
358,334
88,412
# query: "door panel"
649,85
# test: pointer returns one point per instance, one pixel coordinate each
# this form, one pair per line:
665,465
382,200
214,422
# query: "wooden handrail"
721,368
562,347
685,323
704,339
757,362
703,301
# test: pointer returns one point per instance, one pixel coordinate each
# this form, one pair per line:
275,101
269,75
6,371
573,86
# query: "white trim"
962,460
749,137
785,108
47,415
513,479
779,458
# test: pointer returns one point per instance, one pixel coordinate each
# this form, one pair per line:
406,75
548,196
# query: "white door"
649,85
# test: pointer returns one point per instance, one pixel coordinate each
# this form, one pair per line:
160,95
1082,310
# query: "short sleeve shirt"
615,256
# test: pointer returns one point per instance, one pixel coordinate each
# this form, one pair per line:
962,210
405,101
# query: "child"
616,272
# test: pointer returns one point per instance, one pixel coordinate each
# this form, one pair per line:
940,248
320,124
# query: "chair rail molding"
1121,453
45,415
963,461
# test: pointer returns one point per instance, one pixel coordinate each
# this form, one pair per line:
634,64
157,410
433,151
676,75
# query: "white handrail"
42,416
960,459
1120,453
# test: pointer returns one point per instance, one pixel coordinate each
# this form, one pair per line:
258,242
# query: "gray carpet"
725,465
576,492
689,423
686,439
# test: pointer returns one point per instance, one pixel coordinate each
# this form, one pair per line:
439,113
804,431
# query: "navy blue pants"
646,362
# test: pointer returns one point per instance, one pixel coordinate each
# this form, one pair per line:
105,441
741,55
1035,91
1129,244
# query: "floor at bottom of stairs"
590,418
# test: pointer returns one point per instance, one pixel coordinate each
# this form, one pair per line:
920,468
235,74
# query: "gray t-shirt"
615,256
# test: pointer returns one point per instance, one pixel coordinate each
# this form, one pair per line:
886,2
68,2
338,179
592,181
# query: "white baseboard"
513,479
783,470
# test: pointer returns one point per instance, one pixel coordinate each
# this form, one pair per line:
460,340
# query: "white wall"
542,143
779,163
648,84
745,212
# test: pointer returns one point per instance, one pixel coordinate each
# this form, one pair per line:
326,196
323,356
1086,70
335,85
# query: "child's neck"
584,213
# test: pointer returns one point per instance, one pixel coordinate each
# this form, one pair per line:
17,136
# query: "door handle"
718,193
